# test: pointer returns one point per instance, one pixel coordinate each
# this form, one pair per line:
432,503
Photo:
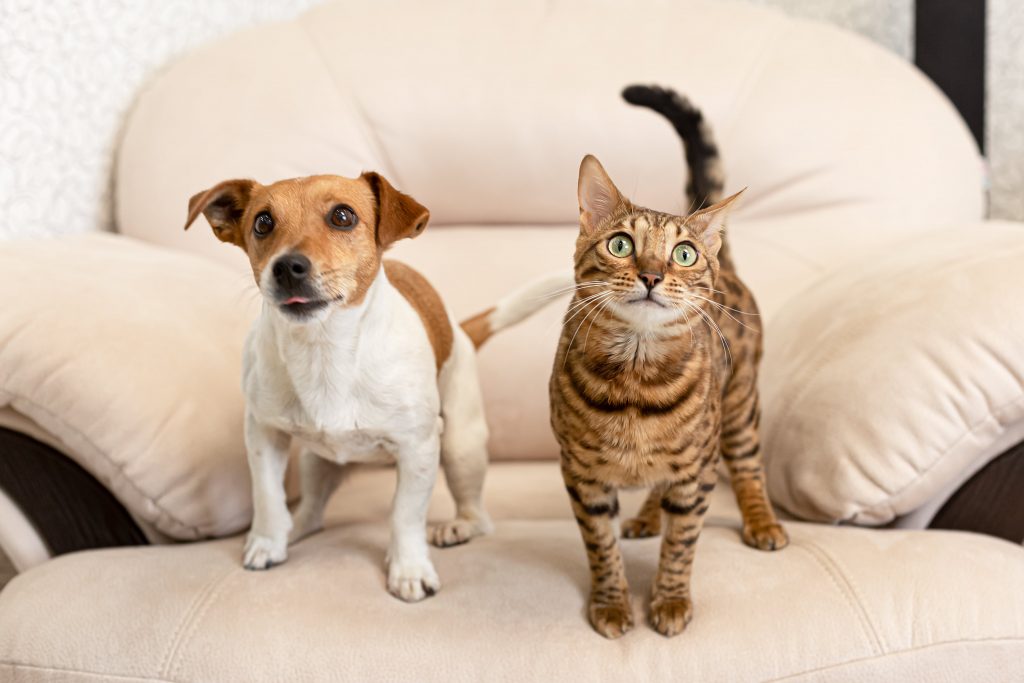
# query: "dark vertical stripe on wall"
950,48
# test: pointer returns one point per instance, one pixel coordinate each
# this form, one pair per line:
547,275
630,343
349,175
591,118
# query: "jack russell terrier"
358,360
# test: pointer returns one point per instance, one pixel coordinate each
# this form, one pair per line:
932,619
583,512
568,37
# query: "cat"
655,378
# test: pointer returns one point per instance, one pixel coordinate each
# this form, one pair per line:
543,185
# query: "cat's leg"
318,479
463,448
596,507
685,504
741,450
648,520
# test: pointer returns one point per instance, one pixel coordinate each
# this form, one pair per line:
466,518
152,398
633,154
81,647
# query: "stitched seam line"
843,585
118,470
79,672
788,677
861,660
188,622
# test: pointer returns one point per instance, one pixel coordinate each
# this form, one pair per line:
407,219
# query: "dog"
357,359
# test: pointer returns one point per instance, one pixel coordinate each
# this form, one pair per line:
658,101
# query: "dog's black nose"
291,269
650,279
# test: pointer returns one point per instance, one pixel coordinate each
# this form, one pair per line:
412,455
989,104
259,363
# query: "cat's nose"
650,279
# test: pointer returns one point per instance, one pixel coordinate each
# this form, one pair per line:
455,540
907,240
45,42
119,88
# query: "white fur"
527,300
360,384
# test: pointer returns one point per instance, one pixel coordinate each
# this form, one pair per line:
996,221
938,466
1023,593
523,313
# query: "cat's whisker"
565,290
725,310
589,311
723,306
717,329
604,304
580,306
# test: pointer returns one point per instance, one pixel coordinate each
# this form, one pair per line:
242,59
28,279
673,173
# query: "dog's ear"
398,215
223,205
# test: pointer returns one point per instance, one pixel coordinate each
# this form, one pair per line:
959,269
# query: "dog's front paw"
412,580
263,552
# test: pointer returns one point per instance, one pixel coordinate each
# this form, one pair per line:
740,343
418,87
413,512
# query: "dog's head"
313,243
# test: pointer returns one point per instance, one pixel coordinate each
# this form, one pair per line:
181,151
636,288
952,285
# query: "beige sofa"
891,374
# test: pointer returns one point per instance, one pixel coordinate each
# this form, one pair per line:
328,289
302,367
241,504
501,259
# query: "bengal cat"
656,377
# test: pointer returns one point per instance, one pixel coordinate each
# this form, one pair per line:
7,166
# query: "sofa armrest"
66,507
989,502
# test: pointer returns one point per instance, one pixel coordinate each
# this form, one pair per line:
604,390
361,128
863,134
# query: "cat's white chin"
646,314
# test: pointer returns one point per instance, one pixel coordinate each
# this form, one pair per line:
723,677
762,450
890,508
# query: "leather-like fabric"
839,604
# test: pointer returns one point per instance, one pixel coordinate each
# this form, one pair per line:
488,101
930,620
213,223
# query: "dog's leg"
463,449
318,479
411,575
267,542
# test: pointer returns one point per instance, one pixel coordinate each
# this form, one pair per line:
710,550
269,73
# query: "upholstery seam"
117,468
191,618
79,672
945,643
860,660
842,583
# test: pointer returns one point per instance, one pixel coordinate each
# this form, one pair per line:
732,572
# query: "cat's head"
651,266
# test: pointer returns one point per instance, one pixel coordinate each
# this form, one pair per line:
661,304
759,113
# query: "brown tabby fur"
650,394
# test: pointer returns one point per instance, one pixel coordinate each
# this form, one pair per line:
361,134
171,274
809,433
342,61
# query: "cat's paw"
611,620
453,532
640,527
765,536
263,552
412,580
669,616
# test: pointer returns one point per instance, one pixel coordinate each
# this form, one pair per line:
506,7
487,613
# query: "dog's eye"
343,217
263,224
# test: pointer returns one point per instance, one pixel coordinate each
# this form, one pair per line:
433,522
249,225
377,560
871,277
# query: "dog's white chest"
350,394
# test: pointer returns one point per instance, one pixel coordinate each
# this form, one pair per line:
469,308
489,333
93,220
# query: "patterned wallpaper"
69,70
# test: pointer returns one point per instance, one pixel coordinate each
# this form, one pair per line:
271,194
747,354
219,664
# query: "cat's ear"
597,194
708,223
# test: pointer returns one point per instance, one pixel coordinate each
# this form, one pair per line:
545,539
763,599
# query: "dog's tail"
516,306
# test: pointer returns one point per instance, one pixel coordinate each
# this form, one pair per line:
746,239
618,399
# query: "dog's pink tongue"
296,300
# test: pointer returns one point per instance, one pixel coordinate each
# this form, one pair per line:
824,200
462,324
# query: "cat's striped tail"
704,186
517,306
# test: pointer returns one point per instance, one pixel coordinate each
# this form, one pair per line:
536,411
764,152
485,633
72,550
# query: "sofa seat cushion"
840,604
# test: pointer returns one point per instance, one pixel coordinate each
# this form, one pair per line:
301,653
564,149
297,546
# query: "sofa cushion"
840,604
889,383
126,357
498,137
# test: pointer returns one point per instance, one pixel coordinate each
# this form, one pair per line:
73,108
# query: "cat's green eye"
685,254
620,245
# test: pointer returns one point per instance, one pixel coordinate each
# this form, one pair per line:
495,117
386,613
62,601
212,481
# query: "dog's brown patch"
479,327
425,299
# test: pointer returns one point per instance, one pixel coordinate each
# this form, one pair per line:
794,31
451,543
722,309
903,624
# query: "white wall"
69,70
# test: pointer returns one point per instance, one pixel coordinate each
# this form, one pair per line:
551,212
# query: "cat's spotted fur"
652,383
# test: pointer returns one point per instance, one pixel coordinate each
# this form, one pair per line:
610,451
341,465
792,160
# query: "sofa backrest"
484,110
